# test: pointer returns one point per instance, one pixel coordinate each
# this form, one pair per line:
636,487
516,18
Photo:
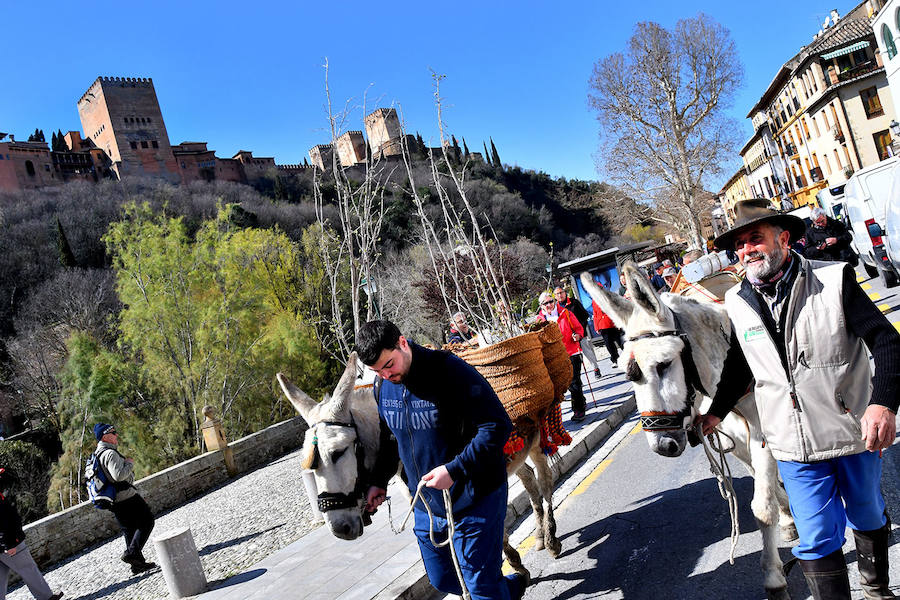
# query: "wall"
63,534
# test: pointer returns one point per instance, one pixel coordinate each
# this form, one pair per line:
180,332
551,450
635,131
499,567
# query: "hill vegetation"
138,302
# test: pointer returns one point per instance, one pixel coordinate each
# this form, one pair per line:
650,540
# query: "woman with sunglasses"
572,332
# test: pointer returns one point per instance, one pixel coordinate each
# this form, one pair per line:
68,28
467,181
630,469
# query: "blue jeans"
827,495
479,547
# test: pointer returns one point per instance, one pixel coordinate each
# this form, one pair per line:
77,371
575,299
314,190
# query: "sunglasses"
548,302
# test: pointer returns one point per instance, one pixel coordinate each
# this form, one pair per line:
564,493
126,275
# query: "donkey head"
651,358
333,448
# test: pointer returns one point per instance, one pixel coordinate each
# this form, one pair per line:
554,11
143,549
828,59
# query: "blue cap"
101,429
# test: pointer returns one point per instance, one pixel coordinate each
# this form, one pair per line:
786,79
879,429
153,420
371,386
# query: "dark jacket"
816,236
11,534
577,309
458,337
444,413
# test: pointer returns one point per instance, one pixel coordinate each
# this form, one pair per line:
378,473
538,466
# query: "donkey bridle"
673,421
327,501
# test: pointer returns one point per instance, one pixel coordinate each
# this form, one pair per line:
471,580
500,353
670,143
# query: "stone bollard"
312,494
180,563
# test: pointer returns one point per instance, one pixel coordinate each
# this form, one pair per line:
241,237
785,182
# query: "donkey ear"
301,401
642,292
339,400
618,308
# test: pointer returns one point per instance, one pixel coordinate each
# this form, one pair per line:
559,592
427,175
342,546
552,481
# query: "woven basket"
556,359
515,369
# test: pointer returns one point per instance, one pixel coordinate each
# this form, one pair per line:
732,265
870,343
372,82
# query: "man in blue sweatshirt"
446,424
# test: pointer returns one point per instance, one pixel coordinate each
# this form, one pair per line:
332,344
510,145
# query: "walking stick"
590,387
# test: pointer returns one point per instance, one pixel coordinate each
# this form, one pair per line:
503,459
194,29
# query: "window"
29,168
816,127
126,120
134,145
871,102
888,38
827,165
154,144
882,144
144,144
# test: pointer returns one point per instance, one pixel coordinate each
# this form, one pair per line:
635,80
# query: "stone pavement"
383,565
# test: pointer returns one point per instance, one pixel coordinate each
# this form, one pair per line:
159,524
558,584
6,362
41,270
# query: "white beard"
764,269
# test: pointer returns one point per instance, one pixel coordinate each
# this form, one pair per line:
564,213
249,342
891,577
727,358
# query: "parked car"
866,198
891,232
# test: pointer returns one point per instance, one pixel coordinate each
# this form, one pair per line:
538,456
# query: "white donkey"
342,443
673,347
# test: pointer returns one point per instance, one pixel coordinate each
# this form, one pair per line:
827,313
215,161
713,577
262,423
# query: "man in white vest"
803,327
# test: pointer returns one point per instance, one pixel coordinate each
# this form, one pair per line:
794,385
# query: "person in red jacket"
611,334
572,332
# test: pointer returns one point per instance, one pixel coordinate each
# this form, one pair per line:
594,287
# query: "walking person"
14,553
577,309
803,328
612,336
443,420
572,332
131,511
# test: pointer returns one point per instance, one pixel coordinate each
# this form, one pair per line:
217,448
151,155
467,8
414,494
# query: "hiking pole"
590,387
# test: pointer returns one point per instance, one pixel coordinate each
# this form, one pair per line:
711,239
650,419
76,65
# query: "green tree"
487,155
495,157
63,249
457,153
465,149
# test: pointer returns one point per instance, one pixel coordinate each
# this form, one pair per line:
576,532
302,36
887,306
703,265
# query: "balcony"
790,149
816,174
852,72
838,134
800,182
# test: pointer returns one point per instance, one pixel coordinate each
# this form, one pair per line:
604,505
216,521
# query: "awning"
846,50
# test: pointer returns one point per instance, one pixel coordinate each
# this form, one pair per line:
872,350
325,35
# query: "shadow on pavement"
126,582
220,584
210,548
653,550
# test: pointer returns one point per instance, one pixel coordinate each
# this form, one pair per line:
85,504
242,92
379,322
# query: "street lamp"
895,128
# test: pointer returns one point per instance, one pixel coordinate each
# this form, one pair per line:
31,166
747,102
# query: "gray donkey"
341,446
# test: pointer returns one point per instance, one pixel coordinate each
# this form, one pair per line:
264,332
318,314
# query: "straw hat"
759,210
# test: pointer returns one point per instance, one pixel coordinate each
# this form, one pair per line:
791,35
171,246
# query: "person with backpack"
131,511
14,553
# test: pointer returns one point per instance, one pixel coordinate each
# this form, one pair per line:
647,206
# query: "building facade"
828,108
121,116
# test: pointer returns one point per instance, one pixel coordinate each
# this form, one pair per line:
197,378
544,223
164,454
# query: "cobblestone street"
234,527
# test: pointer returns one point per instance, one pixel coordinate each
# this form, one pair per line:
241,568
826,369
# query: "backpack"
101,489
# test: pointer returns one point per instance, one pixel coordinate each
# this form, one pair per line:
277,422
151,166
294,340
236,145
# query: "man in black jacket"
14,554
828,239
445,423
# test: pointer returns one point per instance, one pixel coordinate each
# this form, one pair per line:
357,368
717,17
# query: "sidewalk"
381,565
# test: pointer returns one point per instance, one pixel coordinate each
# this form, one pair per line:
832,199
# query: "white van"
892,219
831,200
865,196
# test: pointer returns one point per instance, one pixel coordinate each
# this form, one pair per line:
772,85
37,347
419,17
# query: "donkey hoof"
539,543
777,594
789,533
554,548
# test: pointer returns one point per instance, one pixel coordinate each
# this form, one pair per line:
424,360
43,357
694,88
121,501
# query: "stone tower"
351,148
383,131
121,115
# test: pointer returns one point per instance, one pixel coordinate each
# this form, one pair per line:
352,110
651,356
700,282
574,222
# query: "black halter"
327,501
672,421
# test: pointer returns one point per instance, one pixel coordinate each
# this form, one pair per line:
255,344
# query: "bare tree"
660,105
353,248
462,245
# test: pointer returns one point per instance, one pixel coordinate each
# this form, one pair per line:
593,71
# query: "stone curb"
414,584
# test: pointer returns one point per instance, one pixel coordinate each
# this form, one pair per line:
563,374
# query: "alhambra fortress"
124,135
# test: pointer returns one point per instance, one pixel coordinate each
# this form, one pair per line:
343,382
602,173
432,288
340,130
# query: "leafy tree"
495,157
27,477
66,257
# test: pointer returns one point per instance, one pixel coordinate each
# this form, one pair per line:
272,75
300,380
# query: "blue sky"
249,76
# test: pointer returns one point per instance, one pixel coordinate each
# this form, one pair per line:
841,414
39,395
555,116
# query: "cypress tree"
456,151
54,144
423,150
487,155
465,149
495,156
64,251
61,139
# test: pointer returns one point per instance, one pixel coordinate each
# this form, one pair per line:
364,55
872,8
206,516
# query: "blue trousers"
827,495
479,546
